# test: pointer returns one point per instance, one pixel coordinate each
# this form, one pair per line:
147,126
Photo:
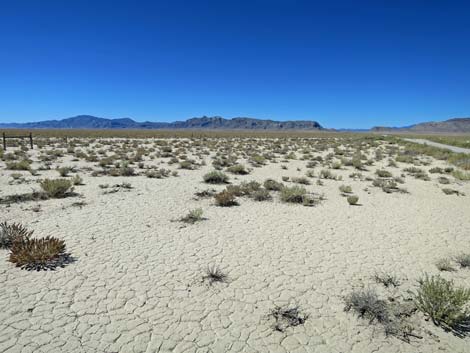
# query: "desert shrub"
64,171
270,184
125,170
443,180
225,199
204,194
21,165
56,188
391,315
215,177
436,170
77,180
238,169
327,174
403,158
9,233
285,178
444,265
463,260
381,173
157,173
345,189
257,160
250,187
193,216
187,165
294,194
214,275
38,254
367,304
449,191
301,180
353,199
387,185
286,317
444,303
387,279
460,175
418,173
261,195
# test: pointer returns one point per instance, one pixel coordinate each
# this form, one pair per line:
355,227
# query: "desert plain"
159,258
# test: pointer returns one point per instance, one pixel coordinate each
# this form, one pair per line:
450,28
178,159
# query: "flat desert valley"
234,244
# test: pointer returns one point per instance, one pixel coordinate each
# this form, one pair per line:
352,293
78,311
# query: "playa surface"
136,284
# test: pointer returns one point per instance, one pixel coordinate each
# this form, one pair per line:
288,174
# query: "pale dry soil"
136,283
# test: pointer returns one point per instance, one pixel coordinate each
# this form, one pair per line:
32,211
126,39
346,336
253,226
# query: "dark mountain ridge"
216,122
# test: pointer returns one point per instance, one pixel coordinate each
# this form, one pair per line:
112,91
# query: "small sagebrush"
193,216
215,177
444,303
270,184
367,304
56,188
294,194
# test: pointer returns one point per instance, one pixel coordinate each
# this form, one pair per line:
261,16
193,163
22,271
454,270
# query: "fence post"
4,141
31,139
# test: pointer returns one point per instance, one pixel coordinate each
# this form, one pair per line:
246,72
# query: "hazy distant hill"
92,122
458,125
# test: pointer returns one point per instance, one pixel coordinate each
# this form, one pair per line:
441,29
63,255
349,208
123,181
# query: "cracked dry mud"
136,283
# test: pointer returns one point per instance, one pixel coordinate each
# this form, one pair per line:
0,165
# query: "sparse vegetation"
39,254
444,303
216,177
56,188
286,317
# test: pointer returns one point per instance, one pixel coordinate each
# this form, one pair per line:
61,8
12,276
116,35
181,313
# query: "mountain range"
456,125
216,122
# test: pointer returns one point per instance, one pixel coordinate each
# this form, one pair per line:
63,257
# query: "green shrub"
460,175
193,216
237,169
301,180
261,195
270,184
444,303
64,171
381,173
21,165
56,188
345,189
215,177
353,199
294,194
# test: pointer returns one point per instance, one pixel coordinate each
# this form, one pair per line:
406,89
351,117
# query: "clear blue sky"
342,63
